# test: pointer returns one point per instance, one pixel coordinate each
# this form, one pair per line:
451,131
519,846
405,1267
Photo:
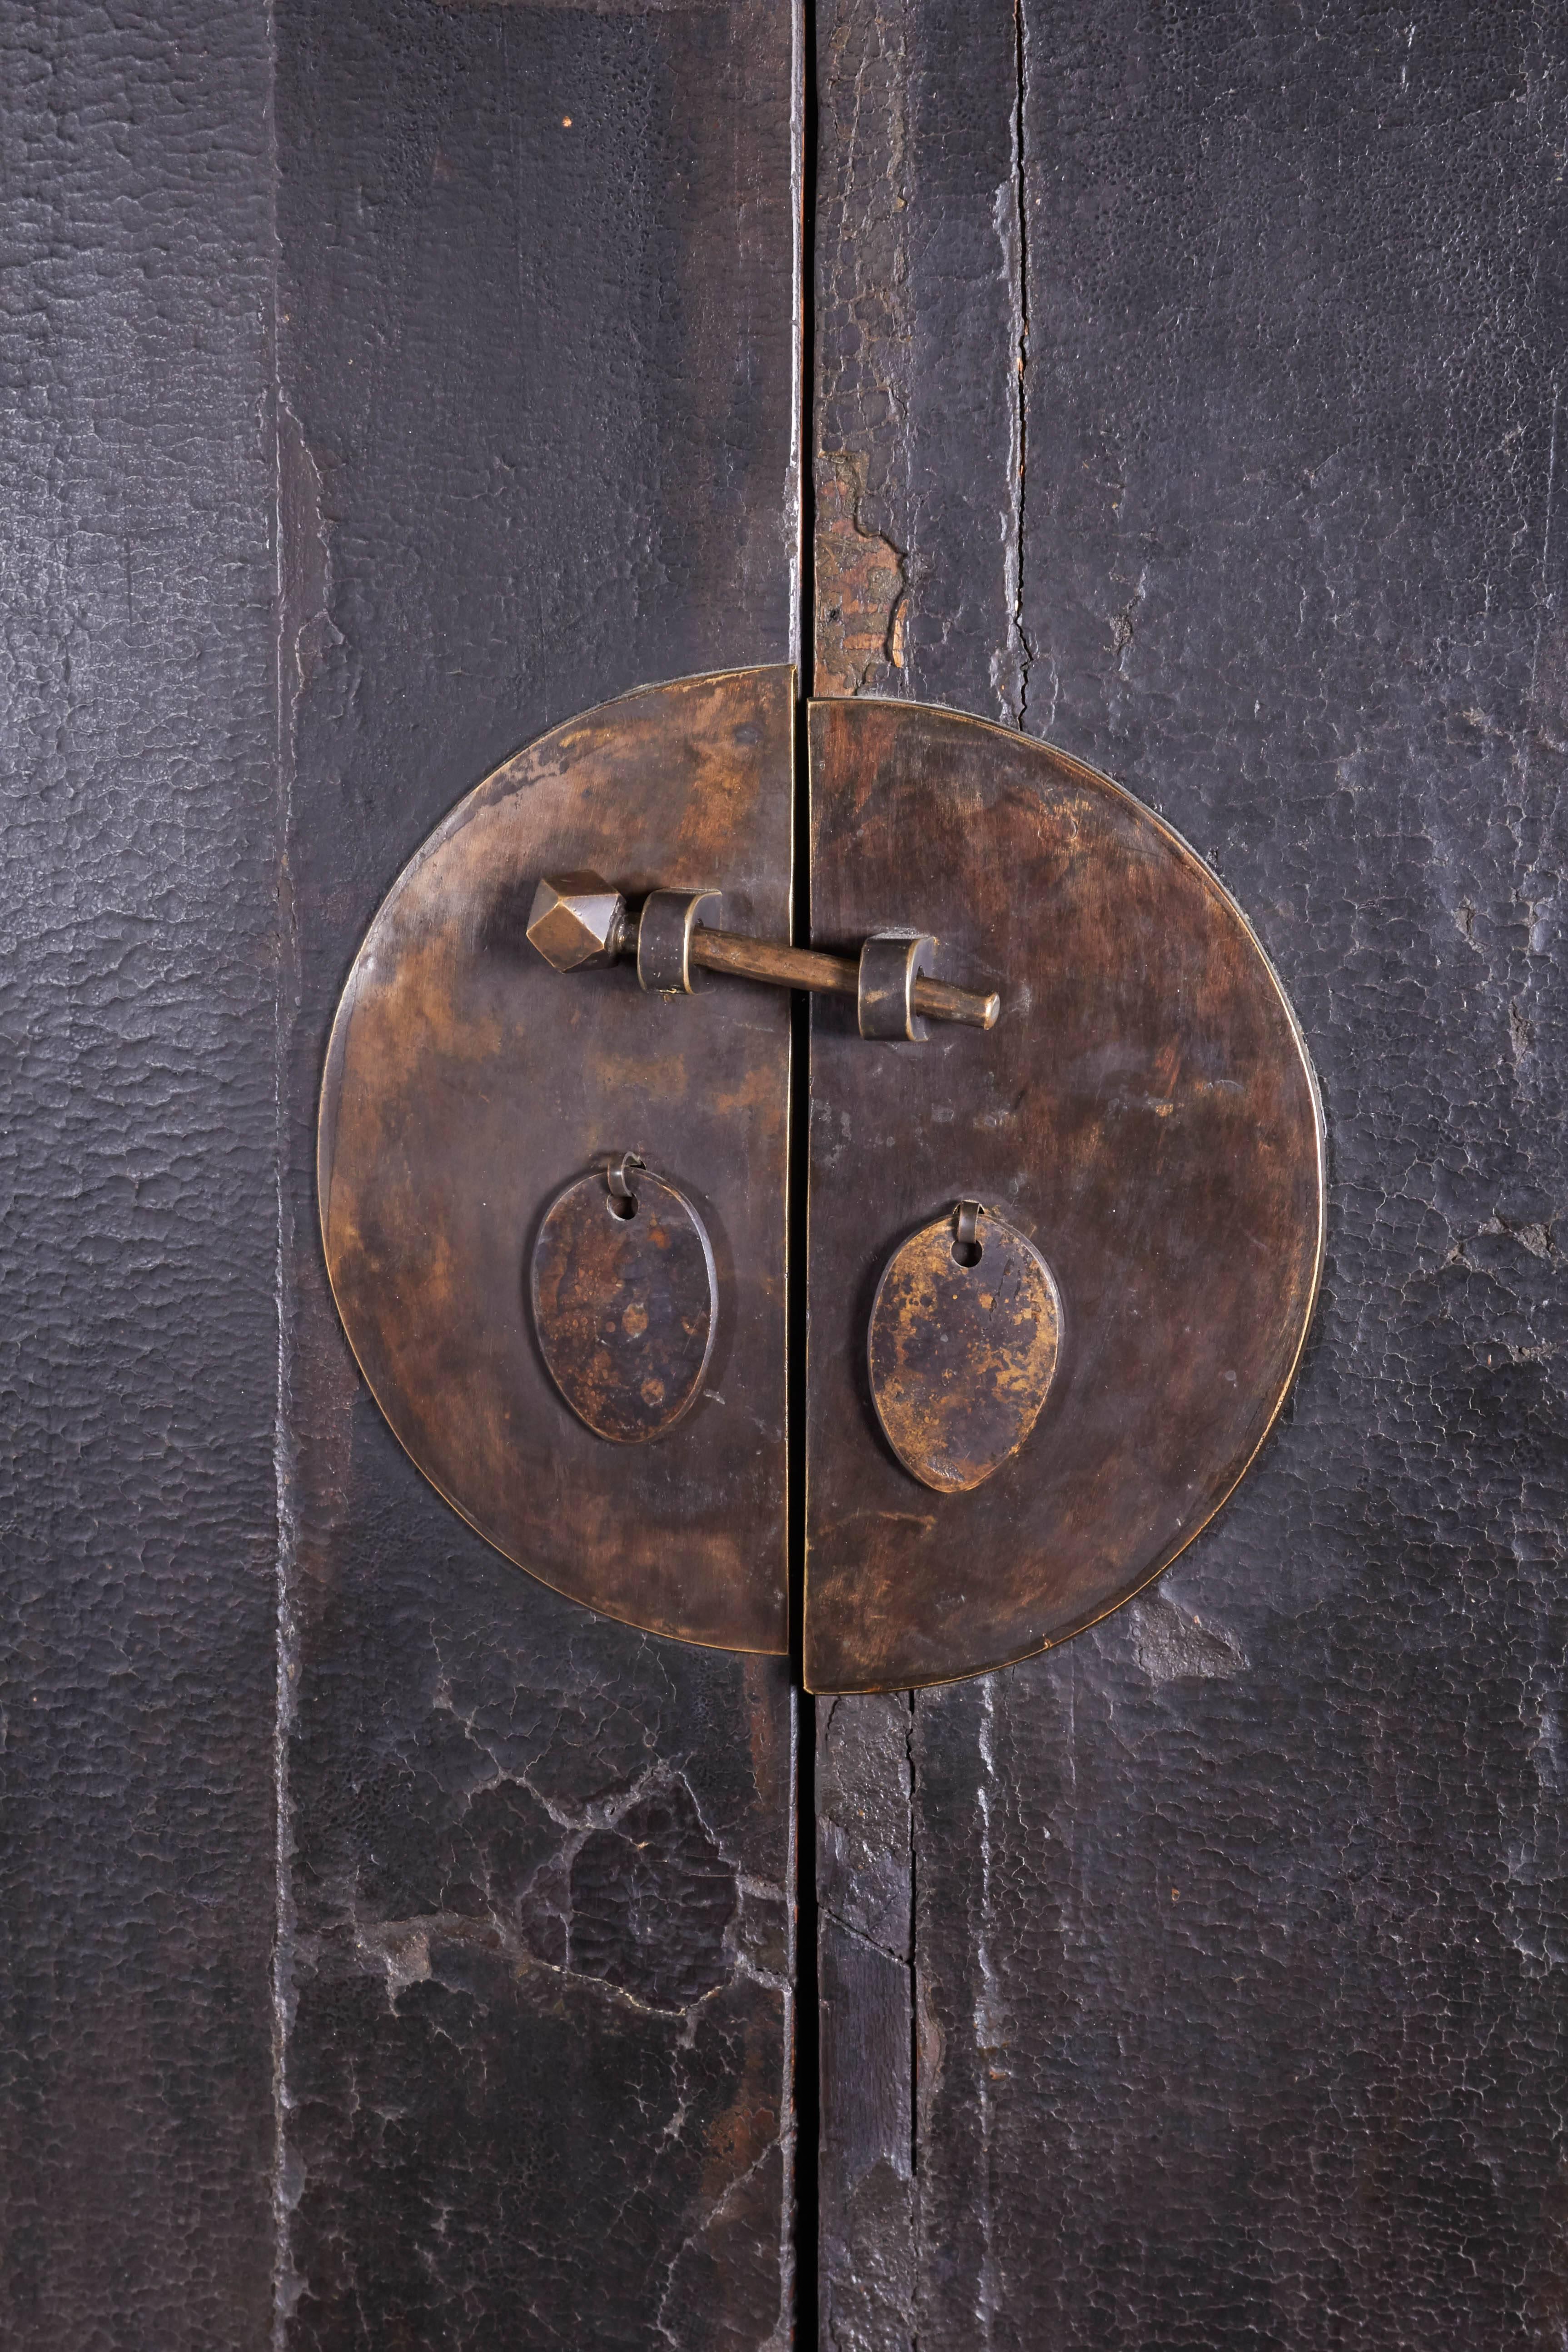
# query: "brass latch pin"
578,920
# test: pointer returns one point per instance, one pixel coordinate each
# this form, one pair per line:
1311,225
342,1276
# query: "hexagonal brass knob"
577,920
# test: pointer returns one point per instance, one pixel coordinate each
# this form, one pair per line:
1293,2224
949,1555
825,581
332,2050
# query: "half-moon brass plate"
468,1084
1143,1112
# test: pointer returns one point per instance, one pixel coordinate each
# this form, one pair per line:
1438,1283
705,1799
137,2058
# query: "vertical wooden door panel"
538,381
1237,1922
915,462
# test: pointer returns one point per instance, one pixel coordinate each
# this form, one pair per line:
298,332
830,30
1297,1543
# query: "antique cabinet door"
1186,391
538,359
398,1954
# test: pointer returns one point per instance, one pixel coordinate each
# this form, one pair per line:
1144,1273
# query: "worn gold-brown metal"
1143,1120
624,1303
887,988
664,933
468,1084
1143,1113
961,1347
575,919
578,920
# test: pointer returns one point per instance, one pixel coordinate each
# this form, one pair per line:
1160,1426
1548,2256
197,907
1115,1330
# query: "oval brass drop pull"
964,1336
624,1296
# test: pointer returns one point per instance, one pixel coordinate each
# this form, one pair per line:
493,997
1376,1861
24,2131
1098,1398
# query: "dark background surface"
1187,389
1237,1923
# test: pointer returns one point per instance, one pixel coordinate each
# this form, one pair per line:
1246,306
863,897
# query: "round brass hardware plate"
1110,1066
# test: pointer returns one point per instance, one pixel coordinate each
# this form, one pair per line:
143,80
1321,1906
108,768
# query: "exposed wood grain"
916,343
865,2183
916,513
915,415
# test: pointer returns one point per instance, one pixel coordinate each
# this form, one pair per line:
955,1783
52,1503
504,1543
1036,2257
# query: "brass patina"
1143,1113
1142,1124
577,920
965,1329
892,993
468,1084
623,1301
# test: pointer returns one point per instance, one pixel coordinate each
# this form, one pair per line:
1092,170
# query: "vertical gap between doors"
807,2006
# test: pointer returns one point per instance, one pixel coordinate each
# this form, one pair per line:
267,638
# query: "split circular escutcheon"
471,1090
995,1454
1143,1115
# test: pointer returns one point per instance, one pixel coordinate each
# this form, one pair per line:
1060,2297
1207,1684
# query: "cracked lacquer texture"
542,1949
917,417
538,381
916,336
1240,1921
866,2185
139,1336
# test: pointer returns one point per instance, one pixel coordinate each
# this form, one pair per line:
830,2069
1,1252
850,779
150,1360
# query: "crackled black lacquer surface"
1235,1981
536,382
138,1335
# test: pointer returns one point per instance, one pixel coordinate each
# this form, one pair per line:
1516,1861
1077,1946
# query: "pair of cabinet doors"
402,1955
